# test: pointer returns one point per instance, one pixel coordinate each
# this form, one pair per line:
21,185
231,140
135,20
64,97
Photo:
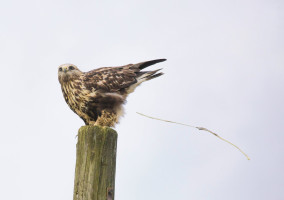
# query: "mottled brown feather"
110,79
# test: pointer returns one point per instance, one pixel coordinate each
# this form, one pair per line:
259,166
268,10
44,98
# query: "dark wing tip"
161,60
149,63
154,76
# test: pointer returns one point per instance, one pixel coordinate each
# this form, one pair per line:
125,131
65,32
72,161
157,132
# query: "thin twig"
199,128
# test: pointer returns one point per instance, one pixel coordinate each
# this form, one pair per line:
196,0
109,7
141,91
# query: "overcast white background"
225,72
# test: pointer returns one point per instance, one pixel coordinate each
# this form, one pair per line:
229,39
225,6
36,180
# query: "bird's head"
68,72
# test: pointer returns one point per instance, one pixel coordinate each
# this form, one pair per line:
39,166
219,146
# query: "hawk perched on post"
97,96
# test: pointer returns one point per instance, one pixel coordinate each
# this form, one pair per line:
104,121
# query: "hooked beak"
64,70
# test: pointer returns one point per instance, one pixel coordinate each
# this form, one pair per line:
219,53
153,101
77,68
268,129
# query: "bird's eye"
71,67
60,69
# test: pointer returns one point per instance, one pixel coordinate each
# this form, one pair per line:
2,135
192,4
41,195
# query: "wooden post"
95,163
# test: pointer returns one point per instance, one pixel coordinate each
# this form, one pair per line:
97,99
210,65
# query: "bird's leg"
107,119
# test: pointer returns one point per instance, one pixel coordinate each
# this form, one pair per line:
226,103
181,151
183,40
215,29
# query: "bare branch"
199,128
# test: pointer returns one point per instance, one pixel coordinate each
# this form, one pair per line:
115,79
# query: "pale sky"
225,72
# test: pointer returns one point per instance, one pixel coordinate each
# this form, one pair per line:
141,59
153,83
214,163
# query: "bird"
98,96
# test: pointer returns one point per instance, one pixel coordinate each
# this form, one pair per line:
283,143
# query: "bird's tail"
144,75
148,75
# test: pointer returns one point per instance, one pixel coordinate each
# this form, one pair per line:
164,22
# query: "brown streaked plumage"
97,96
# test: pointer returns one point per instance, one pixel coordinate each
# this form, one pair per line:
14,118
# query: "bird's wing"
110,79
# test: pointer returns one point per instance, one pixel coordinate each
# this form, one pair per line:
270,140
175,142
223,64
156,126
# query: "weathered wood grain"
95,163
